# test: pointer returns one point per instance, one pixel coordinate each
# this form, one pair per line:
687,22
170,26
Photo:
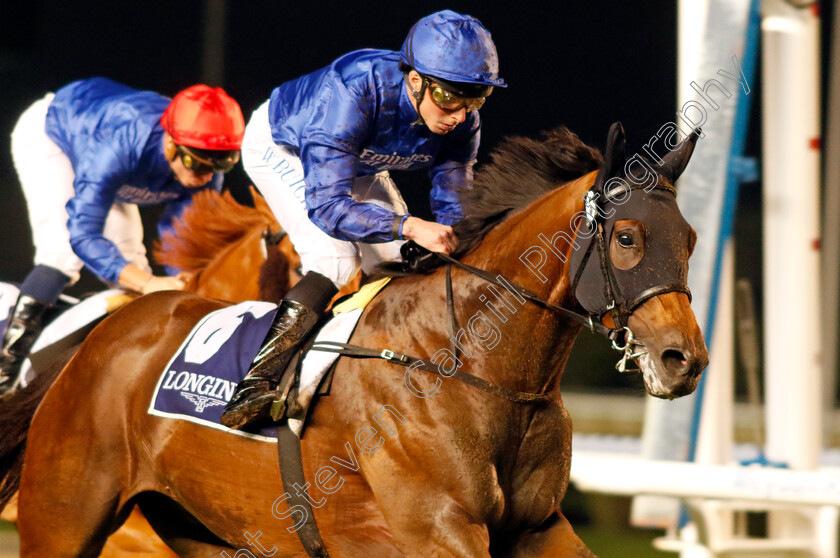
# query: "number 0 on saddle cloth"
200,379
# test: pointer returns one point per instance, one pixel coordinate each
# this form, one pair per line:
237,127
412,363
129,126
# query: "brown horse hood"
621,193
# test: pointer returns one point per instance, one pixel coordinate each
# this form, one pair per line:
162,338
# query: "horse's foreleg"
432,524
557,539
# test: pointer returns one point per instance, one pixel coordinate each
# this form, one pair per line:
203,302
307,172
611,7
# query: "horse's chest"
539,474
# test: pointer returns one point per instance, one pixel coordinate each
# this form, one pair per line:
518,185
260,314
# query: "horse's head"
632,264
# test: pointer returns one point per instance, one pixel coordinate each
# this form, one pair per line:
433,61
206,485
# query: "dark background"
581,64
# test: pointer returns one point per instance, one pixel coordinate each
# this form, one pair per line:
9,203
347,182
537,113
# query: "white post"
714,445
791,241
791,234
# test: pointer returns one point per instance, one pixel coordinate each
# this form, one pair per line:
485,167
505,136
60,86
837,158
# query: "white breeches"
46,176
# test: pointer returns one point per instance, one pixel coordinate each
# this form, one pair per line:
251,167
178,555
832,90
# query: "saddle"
68,322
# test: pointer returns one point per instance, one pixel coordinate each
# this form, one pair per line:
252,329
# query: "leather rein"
613,334
621,337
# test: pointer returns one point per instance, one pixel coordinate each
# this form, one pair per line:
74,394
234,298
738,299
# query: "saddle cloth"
65,329
201,377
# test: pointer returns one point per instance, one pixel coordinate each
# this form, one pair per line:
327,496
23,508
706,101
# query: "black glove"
417,259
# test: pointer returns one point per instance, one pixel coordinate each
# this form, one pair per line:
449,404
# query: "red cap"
205,118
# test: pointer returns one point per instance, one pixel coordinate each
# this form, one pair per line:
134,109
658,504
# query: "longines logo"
201,402
203,391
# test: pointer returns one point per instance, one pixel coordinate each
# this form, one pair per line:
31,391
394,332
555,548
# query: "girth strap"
416,363
291,473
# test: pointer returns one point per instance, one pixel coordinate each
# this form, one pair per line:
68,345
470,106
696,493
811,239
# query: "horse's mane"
210,224
520,171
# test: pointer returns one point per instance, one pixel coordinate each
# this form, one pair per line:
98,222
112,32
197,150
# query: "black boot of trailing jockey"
38,293
297,315
25,325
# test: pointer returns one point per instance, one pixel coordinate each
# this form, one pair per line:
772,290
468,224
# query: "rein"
586,321
502,392
613,334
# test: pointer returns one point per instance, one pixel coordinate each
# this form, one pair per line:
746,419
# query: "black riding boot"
25,324
297,315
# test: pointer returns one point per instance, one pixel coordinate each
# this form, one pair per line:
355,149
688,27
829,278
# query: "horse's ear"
674,162
613,156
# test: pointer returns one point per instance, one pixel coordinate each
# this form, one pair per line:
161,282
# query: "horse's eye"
625,240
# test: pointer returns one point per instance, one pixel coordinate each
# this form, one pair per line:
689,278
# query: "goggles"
199,165
449,101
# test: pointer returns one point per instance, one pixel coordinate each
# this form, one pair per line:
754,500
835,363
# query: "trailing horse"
401,462
228,251
221,244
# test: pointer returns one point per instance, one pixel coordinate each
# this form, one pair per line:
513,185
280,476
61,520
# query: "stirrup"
254,403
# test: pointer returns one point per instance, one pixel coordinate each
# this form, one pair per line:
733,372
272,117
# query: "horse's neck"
536,341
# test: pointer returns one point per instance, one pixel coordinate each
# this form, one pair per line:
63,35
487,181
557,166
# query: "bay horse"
418,465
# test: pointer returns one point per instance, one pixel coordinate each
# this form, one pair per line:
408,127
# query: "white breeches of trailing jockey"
46,176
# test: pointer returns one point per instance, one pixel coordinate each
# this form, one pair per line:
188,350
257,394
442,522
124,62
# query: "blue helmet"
453,47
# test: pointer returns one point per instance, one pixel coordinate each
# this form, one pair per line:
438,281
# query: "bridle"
618,305
619,296
619,293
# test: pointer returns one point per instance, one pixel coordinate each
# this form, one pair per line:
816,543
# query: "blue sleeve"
97,180
453,171
330,148
176,208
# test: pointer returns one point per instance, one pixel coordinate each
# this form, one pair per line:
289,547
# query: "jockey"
86,157
320,148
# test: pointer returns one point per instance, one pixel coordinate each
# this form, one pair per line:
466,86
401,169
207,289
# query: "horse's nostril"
675,360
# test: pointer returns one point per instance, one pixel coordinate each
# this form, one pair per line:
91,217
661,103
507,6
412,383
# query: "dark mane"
520,171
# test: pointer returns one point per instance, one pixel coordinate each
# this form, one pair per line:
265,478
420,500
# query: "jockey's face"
438,120
185,176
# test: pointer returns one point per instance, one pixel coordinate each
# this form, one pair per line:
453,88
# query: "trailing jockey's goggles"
203,161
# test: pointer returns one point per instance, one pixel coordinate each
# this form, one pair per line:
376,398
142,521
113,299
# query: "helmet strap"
418,96
169,148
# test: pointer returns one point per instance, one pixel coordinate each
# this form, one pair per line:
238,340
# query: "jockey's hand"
162,284
141,281
430,235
